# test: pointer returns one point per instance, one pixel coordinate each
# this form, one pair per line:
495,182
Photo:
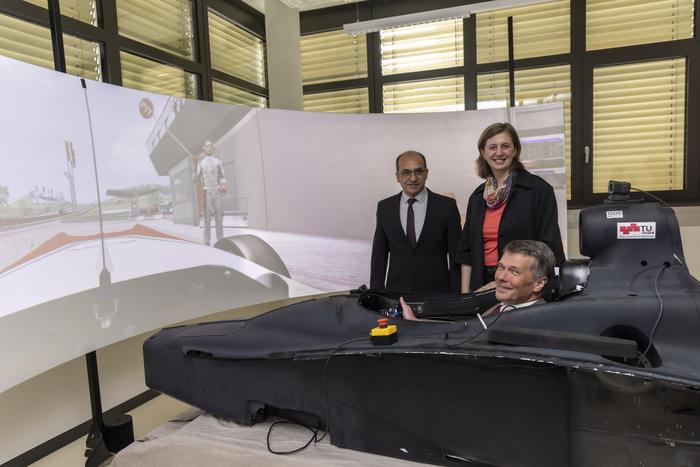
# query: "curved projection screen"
102,211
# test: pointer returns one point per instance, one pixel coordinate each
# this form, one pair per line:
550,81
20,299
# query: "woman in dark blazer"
512,204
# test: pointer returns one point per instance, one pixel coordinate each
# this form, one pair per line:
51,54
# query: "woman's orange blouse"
492,219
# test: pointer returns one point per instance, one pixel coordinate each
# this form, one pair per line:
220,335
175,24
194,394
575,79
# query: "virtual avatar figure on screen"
210,171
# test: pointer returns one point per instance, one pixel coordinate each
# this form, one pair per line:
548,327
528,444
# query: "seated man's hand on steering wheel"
406,310
489,286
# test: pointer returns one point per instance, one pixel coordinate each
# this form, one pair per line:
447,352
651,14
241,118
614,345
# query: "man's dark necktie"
494,311
502,308
411,223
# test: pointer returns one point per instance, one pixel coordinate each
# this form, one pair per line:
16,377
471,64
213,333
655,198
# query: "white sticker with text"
644,230
614,214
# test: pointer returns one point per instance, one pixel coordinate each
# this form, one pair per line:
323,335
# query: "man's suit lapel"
396,220
429,214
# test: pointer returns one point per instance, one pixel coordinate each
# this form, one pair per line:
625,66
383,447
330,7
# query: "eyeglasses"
419,172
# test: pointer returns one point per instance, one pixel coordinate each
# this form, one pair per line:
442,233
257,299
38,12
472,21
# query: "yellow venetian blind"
83,58
82,10
231,95
345,101
617,23
435,95
639,125
236,51
538,30
165,24
32,44
147,75
492,90
25,41
333,56
532,86
422,47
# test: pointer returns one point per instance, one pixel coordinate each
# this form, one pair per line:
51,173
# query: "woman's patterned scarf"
496,197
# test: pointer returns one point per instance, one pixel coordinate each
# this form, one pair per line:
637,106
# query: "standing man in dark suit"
417,234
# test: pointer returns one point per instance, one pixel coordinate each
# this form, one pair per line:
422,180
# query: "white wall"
283,56
324,173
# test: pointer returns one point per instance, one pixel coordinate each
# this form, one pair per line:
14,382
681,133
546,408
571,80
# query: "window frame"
631,55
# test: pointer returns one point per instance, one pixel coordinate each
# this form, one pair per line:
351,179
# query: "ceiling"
301,5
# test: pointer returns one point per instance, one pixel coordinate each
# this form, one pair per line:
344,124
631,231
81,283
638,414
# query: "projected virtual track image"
323,263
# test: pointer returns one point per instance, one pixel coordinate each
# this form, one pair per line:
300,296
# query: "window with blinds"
25,41
639,125
618,23
83,58
532,86
164,24
231,95
147,75
31,43
422,47
236,51
538,30
492,90
82,10
435,95
41,3
345,101
333,56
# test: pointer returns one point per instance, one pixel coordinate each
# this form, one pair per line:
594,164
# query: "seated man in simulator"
521,276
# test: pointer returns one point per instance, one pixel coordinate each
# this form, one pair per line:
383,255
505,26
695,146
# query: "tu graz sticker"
636,230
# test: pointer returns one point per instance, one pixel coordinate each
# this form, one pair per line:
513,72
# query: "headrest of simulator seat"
572,278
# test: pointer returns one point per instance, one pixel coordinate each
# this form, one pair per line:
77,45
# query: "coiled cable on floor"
315,431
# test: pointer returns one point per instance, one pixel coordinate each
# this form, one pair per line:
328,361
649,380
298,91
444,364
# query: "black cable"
652,196
283,422
658,318
314,437
639,273
325,383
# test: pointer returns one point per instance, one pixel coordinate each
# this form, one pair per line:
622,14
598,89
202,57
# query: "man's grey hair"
543,263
